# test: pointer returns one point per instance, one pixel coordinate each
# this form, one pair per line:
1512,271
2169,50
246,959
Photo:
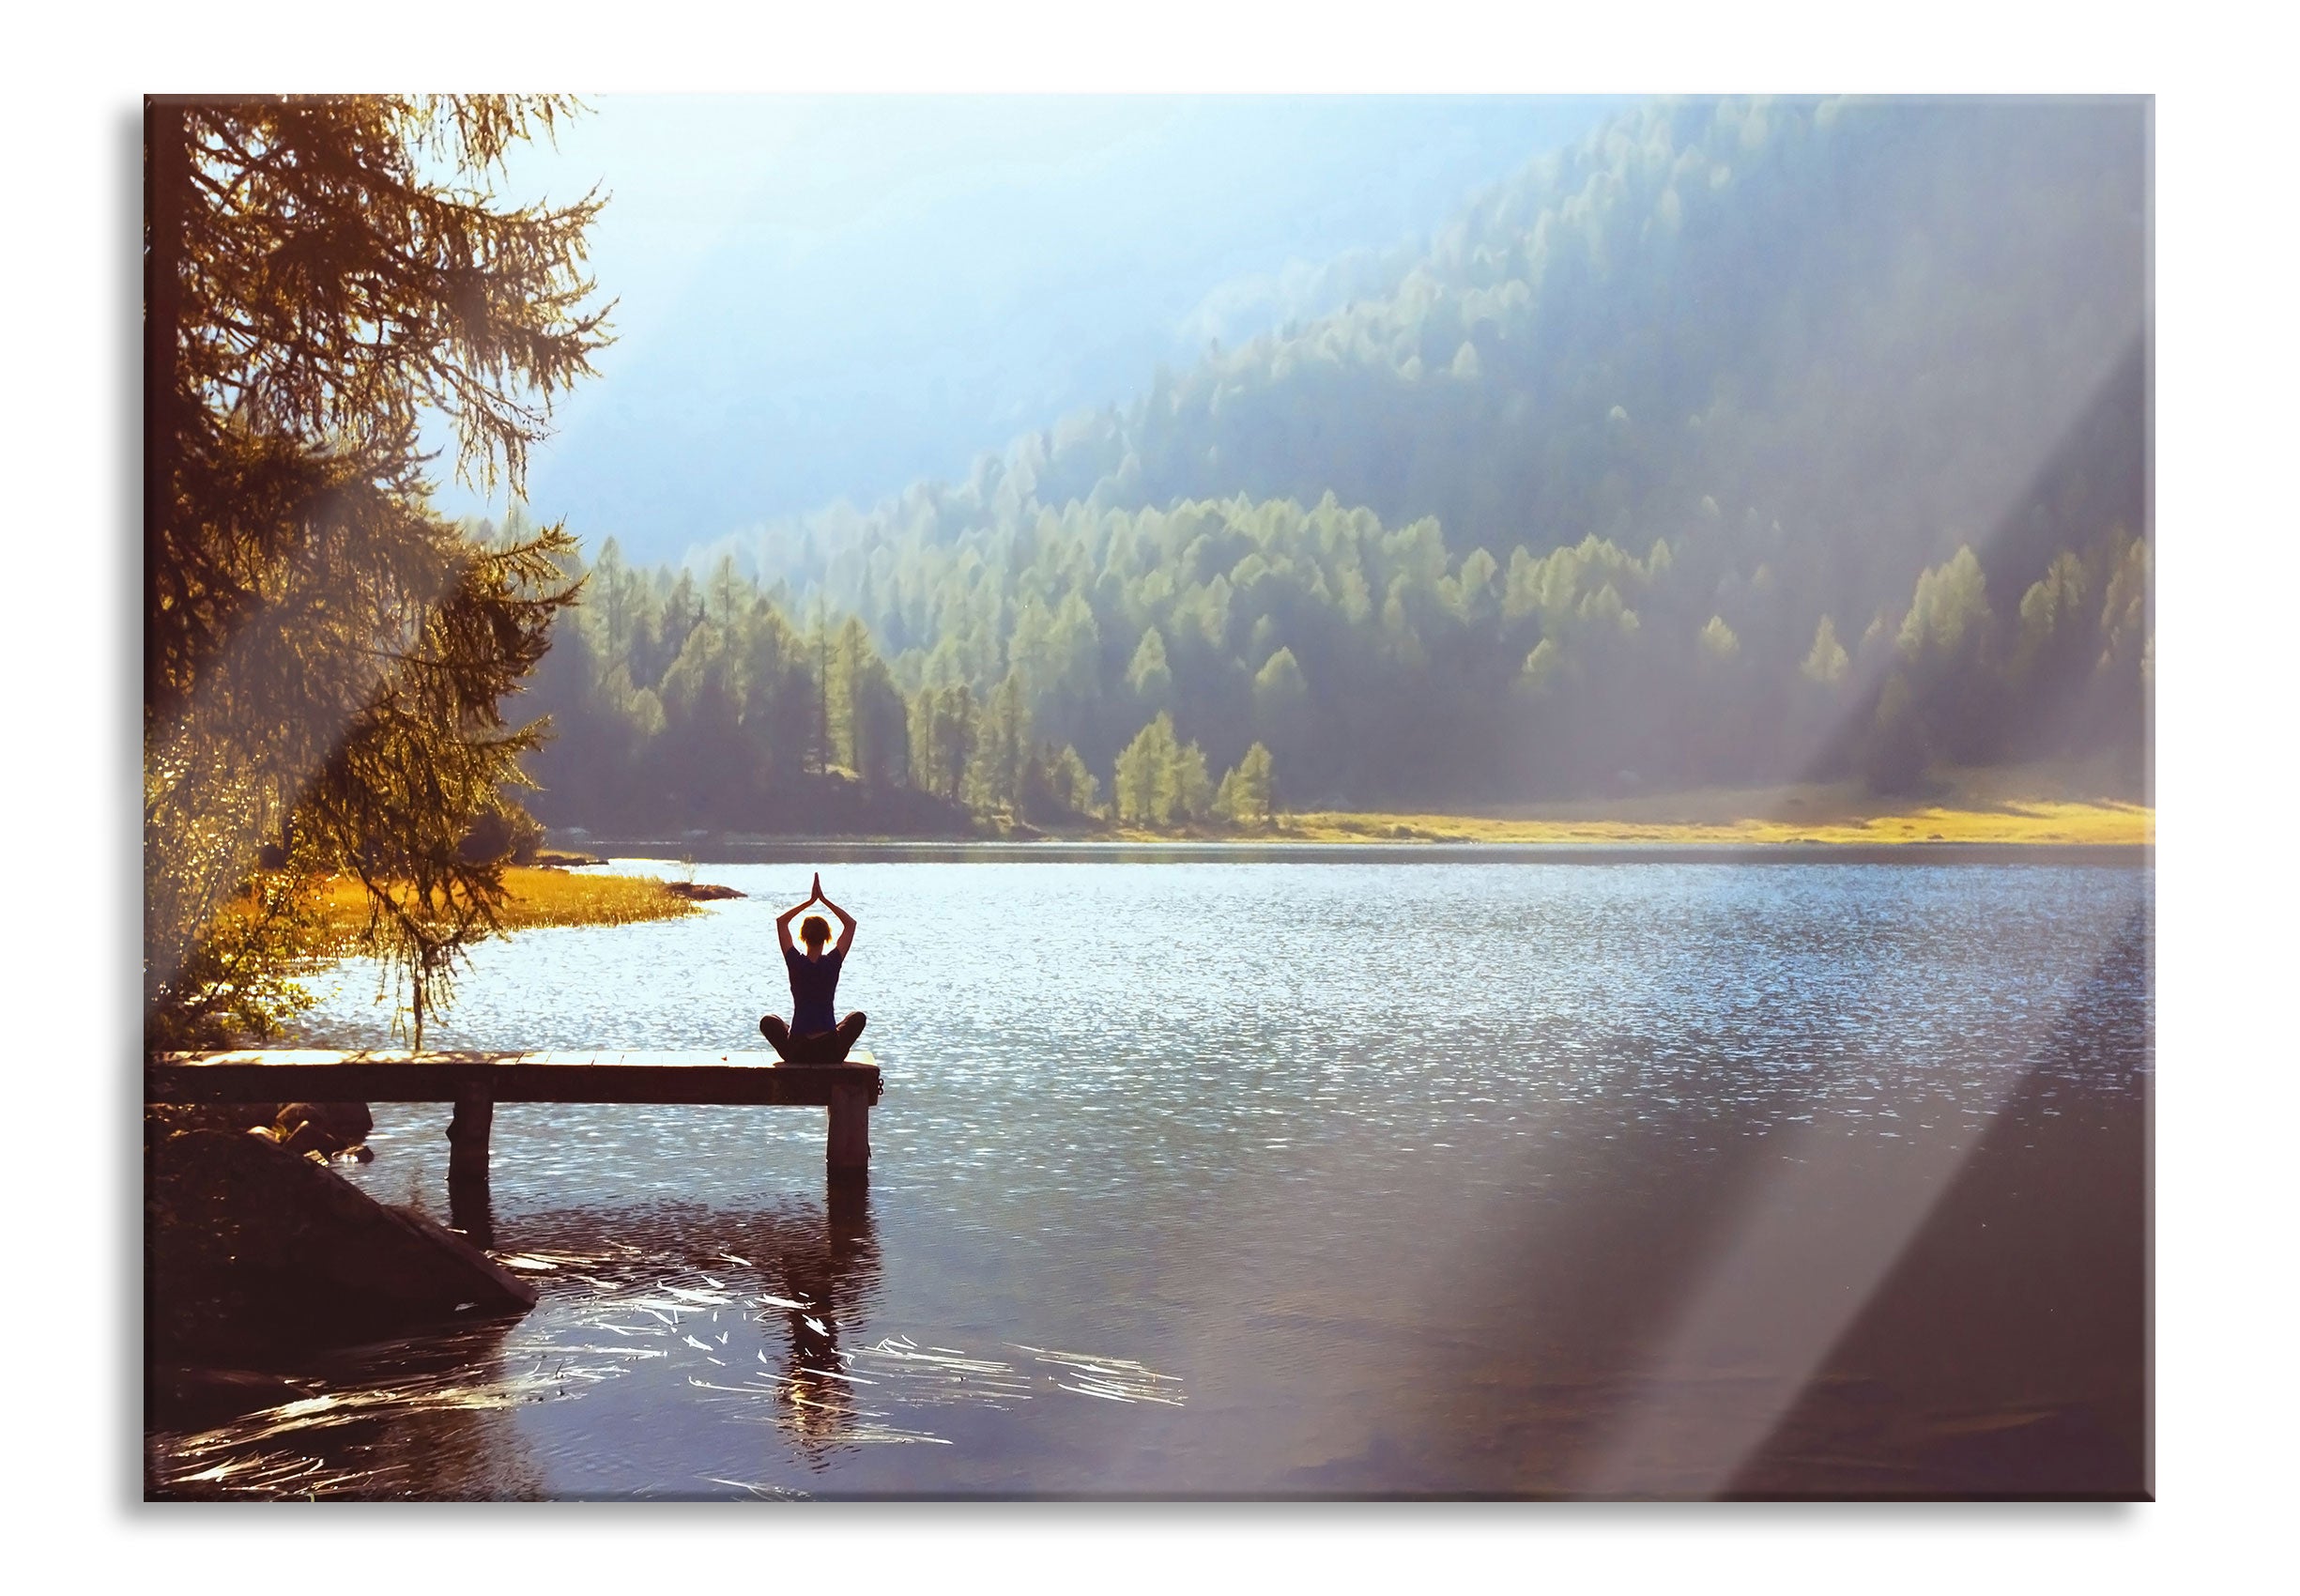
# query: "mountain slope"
1748,440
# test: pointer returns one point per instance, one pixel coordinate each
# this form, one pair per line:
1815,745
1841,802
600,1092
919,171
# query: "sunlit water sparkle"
1189,1177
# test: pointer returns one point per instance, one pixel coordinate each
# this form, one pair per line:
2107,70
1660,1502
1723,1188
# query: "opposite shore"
572,884
2026,806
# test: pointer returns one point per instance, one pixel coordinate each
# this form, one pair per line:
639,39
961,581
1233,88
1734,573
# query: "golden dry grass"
2066,803
534,897
587,898
2038,822
2063,803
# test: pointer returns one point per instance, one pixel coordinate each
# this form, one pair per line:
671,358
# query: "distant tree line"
676,704
1208,664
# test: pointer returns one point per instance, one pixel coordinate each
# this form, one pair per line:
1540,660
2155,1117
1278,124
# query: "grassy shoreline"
2044,805
2031,805
2063,804
2046,823
535,896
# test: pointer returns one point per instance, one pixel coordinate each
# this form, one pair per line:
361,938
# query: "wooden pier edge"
475,1083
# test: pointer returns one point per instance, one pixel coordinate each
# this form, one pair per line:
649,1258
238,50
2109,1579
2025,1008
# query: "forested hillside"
1745,441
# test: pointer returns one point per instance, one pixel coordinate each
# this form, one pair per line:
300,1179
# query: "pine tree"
1245,797
1161,780
848,658
943,730
1151,680
1186,793
1142,783
325,659
1063,778
994,780
1825,663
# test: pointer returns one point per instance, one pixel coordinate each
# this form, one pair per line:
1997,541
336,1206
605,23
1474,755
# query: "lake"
1417,1171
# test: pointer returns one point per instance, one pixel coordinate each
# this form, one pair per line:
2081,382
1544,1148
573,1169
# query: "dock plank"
736,1077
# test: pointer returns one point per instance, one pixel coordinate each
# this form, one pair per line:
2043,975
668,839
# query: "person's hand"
818,892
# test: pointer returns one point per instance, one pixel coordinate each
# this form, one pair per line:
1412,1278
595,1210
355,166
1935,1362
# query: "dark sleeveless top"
814,987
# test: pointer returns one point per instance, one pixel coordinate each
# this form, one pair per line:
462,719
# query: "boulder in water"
323,1127
252,1248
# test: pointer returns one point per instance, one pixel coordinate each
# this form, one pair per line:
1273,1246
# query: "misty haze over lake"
825,297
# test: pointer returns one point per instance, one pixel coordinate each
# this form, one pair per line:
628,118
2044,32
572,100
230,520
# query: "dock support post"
470,1208
466,1136
850,1148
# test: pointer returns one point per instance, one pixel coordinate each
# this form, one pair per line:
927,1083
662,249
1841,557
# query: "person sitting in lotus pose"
816,1035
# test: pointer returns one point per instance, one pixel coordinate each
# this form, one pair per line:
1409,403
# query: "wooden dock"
474,1082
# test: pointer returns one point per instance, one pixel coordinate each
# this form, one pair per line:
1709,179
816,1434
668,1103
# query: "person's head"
814,931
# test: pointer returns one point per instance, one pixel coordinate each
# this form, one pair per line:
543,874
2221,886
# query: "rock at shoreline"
696,892
161,1118
330,1129
253,1249
327,1129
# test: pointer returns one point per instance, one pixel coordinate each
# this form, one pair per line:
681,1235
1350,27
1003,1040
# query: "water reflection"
436,1416
428,1418
827,1267
767,1298
1483,1263
470,1208
1819,1293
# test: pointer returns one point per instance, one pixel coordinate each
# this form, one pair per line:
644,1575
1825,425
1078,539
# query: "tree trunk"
167,184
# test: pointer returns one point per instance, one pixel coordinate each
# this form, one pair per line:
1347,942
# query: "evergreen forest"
1747,441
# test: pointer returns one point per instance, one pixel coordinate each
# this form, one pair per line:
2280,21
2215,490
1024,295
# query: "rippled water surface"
1427,1175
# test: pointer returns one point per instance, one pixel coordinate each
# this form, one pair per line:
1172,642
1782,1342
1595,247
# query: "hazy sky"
832,297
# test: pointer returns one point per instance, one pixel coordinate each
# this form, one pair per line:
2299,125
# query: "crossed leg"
817,1047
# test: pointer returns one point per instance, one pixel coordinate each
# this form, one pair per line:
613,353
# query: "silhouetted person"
816,1035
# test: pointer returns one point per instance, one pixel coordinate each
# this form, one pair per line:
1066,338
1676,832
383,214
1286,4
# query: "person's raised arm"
846,921
782,923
